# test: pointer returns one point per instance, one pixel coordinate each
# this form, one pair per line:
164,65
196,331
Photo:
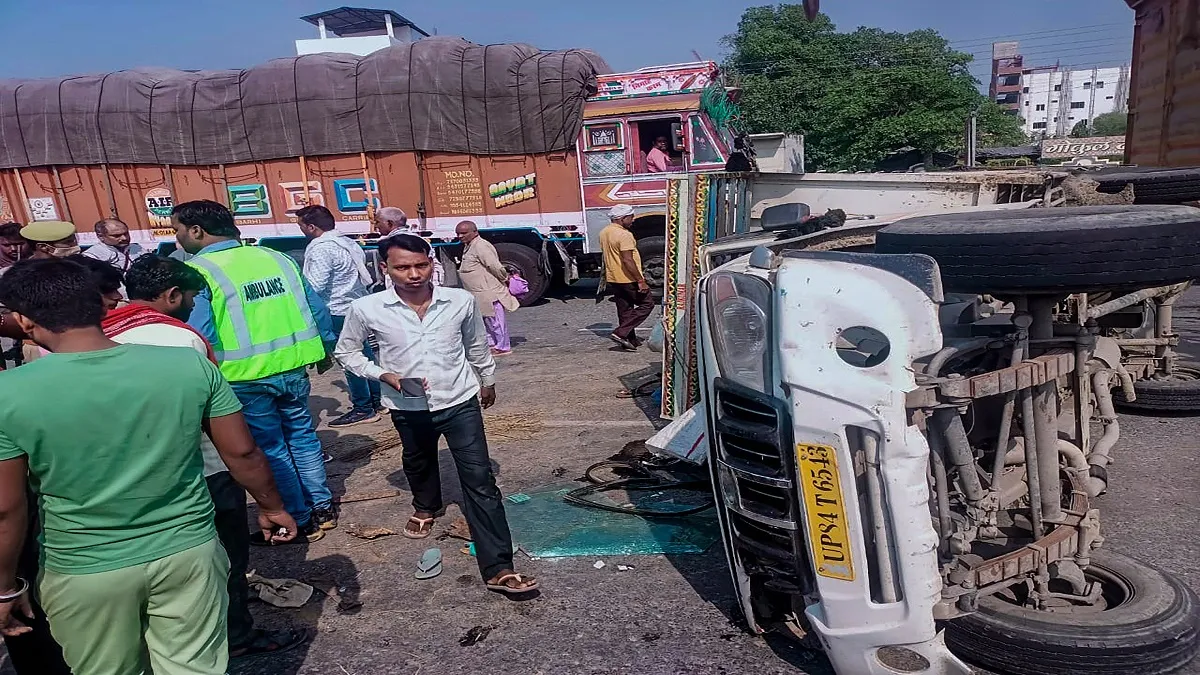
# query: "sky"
45,38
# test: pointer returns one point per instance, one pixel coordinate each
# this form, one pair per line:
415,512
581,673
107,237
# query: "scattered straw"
511,427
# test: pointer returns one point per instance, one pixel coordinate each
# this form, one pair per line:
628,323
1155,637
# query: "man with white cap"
623,274
51,239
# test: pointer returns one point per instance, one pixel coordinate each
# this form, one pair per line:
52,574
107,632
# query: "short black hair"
11,231
108,278
316,215
57,294
212,217
408,242
152,275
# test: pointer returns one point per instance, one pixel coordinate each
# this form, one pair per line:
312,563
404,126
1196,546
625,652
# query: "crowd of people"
125,534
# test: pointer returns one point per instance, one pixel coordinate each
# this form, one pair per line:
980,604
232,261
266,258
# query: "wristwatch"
9,597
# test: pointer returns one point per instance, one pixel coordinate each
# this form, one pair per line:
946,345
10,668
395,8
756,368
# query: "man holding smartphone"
438,375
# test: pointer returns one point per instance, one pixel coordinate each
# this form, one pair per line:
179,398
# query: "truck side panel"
502,192
1164,105
527,191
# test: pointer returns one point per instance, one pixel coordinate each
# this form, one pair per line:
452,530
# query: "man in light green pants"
133,578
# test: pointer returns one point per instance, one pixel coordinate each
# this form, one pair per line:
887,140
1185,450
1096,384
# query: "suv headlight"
739,310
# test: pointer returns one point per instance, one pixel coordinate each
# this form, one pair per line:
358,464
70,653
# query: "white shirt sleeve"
479,355
162,335
349,349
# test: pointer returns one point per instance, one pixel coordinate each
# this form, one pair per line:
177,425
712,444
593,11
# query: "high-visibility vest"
264,324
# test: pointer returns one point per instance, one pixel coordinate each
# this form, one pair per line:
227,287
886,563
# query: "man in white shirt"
114,246
161,293
438,374
336,268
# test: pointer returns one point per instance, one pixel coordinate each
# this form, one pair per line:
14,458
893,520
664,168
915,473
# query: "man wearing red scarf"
161,293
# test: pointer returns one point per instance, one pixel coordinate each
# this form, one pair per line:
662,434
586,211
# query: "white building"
1053,101
357,30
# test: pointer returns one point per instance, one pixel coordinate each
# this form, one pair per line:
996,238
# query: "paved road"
671,615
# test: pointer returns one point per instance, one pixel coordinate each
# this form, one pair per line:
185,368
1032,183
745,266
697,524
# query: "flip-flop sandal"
500,587
430,564
424,528
270,642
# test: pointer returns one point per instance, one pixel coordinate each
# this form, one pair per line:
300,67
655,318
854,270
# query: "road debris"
287,593
369,532
475,635
599,564
624,568
458,530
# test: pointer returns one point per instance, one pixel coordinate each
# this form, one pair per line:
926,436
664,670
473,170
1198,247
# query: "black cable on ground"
639,477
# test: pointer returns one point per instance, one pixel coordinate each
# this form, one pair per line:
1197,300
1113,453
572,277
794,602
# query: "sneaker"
622,342
326,519
355,417
311,532
328,458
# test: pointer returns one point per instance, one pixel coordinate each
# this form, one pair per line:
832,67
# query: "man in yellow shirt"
623,274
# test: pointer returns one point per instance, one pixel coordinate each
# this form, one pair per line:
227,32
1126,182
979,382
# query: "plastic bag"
657,337
517,286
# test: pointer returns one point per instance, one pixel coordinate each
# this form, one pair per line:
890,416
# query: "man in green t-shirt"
133,578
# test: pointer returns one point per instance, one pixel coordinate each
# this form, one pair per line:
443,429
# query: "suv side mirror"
784,217
677,140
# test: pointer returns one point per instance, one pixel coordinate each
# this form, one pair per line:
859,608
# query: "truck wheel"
1146,623
520,259
1055,250
1178,392
653,251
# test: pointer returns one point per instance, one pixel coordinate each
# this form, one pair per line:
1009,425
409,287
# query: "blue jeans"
364,393
276,410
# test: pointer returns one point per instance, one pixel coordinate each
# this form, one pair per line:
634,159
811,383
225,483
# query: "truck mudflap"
855,544
848,333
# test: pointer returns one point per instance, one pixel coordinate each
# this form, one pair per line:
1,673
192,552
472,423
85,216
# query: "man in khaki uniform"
482,273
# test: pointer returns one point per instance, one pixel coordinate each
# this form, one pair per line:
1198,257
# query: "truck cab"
688,105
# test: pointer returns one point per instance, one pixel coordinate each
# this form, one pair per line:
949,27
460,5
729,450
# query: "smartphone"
412,387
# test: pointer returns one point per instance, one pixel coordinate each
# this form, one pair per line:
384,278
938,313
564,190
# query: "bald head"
467,231
390,218
113,232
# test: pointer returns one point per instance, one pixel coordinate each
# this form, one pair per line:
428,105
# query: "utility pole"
972,138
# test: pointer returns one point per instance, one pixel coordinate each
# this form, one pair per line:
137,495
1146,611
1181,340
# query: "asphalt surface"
557,414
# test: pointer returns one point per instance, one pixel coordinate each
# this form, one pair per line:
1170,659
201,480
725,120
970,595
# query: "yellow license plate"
825,510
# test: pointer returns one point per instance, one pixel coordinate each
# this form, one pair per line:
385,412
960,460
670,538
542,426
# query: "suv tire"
1055,251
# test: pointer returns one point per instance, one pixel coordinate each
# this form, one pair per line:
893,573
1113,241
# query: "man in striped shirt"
336,268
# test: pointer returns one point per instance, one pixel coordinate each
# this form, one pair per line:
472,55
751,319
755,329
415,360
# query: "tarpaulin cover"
438,94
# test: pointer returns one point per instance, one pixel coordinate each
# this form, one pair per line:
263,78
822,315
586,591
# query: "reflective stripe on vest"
246,348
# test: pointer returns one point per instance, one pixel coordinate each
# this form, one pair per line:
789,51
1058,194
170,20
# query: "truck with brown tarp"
532,146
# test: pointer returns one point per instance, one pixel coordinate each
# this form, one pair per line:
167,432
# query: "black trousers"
229,500
633,306
36,652
462,426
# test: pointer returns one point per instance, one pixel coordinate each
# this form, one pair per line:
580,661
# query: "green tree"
1081,130
857,96
1110,124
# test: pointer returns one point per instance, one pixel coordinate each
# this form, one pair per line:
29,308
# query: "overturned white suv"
905,444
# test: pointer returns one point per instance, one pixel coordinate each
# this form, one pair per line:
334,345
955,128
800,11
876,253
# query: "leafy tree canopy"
1107,124
1110,124
857,96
